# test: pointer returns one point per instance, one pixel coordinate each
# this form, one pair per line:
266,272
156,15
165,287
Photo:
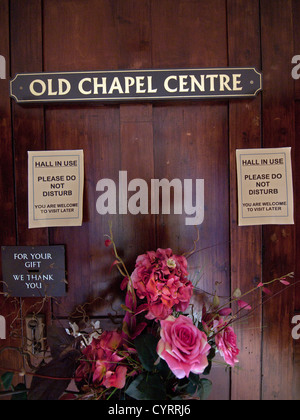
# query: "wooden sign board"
133,85
34,271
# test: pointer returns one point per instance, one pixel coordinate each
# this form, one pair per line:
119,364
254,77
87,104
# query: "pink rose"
161,278
226,342
183,346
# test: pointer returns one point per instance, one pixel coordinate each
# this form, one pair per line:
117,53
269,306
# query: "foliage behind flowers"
161,351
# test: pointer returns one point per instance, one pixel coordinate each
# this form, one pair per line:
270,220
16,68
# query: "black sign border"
136,98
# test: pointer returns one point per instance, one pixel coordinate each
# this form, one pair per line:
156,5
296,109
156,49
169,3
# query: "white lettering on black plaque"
34,271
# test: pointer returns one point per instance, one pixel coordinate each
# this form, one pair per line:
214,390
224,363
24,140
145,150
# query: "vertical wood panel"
246,265
134,34
84,38
136,144
136,125
96,131
7,227
278,241
28,122
7,210
296,366
296,19
114,34
296,343
191,141
80,35
186,140
28,129
296,34
189,33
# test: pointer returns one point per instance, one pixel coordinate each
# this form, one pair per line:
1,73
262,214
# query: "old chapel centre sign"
132,85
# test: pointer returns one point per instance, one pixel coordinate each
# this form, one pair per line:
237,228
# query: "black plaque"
136,85
34,271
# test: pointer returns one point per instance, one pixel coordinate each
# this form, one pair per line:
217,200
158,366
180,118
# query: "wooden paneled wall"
160,140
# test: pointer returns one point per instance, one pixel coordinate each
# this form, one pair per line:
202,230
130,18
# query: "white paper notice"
265,186
55,188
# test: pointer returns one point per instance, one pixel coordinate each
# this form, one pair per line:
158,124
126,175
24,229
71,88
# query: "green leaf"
6,380
20,396
46,386
133,391
58,340
146,347
126,309
208,368
210,357
194,379
163,369
190,388
147,387
200,387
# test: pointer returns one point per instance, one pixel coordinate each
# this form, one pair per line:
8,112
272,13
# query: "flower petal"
267,291
225,311
107,242
244,305
285,282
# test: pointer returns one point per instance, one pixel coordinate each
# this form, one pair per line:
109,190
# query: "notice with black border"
55,188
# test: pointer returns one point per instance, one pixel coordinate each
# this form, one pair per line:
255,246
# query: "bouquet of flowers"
163,349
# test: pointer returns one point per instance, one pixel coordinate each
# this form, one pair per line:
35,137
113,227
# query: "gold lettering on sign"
190,83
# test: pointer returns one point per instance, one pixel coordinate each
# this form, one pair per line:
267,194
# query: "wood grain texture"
189,33
245,133
96,131
7,230
278,241
113,35
183,140
185,147
296,343
136,146
28,122
296,19
102,34
191,142
8,306
296,51
27,129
